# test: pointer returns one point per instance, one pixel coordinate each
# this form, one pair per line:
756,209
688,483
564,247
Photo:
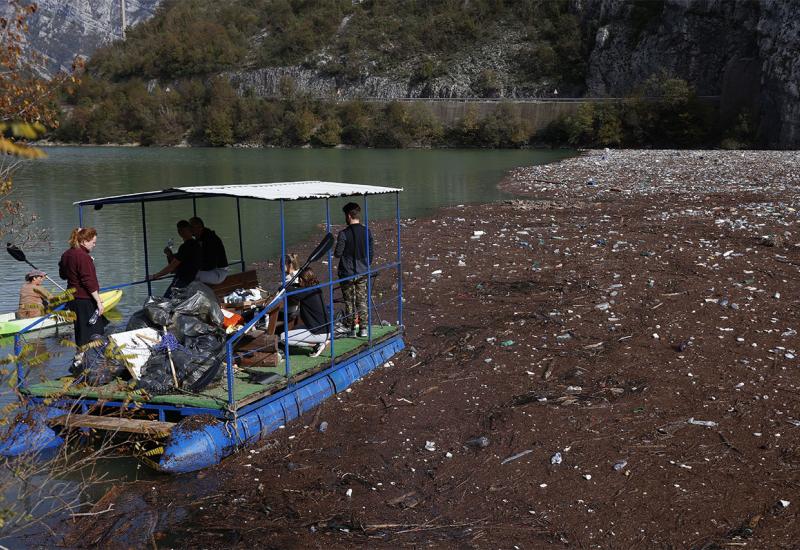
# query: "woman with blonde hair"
77,268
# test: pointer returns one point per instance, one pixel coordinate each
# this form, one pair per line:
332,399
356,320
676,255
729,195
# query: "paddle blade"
322,248
15,252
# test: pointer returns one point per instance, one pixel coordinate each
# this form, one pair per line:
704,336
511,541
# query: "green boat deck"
216,395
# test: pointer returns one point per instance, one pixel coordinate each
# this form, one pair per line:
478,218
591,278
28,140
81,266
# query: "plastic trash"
140,320
430,446
480,442
94,368
620,465
95,316
323,427
187,326
556,458
706,423
199,305
158,312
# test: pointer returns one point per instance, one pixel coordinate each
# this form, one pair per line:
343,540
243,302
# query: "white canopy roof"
293,190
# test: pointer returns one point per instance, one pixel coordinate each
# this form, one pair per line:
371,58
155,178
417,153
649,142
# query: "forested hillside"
294,72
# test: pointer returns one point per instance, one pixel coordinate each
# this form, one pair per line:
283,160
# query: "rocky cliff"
743,50
63,29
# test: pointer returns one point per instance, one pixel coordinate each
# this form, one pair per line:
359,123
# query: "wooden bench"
245,279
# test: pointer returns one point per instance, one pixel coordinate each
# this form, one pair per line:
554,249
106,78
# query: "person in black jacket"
214,267
351,248
314,315
185,263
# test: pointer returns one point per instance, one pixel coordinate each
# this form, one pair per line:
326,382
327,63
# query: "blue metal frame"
291,386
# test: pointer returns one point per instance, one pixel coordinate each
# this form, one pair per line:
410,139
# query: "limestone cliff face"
63,29
779,46
742,50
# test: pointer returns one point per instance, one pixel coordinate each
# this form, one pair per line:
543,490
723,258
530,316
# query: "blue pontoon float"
235,412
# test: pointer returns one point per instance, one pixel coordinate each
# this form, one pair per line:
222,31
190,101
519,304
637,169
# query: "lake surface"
48,187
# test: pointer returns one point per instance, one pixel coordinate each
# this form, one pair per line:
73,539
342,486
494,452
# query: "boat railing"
284,297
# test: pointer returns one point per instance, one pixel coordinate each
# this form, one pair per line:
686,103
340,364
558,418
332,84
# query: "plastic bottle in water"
170,243
95,316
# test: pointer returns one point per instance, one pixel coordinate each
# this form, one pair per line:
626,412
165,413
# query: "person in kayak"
185,263
314,315
33,297
77,268
214,267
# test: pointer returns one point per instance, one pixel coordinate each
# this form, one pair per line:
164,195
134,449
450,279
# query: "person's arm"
371,247
341,239
100,307
172,266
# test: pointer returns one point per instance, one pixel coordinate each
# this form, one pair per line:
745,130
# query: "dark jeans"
84,308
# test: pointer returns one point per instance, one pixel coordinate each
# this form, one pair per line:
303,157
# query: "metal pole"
146,260
229,363
285,298
194,206
241,244
399,266
369,273
80,216
283,249
330,281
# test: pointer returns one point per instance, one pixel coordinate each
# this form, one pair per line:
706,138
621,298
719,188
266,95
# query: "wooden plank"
114,424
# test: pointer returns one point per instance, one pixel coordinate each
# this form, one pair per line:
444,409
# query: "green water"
430,179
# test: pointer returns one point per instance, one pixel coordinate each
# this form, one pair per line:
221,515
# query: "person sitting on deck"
214,266
33,297
314,315
185,263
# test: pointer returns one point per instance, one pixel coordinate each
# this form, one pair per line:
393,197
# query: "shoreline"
594,321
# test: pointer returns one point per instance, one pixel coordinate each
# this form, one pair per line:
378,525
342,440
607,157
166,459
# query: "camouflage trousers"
354,293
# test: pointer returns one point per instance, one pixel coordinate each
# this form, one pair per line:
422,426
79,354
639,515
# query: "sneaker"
362,332
319,348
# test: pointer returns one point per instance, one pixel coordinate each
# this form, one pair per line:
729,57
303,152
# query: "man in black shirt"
351,249
185,263
214,268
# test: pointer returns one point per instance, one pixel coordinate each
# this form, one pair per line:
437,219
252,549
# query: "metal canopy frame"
281,192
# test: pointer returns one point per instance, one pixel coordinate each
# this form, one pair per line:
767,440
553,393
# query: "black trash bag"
187,326
156,376
200,306
95,369
158,312
206,344
198,371
197,364
140,320
191,289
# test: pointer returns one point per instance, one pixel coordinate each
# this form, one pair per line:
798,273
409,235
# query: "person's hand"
100,307
167,250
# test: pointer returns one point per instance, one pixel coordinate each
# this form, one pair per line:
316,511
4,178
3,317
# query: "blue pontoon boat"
182,432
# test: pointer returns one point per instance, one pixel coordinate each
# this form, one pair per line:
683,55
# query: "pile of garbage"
170,343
